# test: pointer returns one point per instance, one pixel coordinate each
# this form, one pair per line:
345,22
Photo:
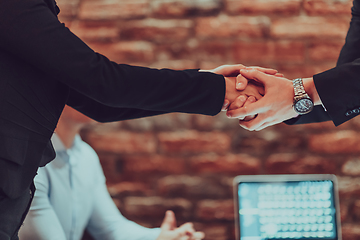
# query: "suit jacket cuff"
338,92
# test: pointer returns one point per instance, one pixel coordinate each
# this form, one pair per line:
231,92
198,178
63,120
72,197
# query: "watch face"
304,106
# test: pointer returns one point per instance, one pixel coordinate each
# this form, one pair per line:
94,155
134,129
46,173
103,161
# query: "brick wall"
186,162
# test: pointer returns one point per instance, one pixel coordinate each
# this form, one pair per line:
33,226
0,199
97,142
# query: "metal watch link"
302,102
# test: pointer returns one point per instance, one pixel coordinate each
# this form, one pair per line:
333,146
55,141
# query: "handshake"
260,97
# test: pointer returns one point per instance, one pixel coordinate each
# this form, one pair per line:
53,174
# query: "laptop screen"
287,207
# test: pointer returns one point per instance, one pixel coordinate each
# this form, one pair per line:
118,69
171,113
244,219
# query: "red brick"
328,7
68,8
118,204
315,165
108,163
289,7
292,163
345,141
351,167
176,51
157,30
230,163
232,27
191,187
182,8
353,123
154,207
166,122
350,231
215,210
292,71
153,164
344,211
128,189
122,142
349,187
95,32
279,163
309,27
214,50
111,9
325,51
126,52
355,210
269,51
194,142
219,122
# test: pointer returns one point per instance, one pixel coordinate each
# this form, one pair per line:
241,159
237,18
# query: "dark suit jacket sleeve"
339,87
103,113
31,31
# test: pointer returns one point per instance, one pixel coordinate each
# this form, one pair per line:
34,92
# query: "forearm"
311,90
31,32
337,89
104,113
107,222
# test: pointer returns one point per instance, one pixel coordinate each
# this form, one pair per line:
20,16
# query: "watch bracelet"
298,87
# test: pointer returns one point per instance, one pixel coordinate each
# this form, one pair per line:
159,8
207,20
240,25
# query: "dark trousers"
13,212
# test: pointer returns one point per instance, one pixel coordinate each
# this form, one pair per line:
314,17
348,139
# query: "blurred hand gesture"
169,231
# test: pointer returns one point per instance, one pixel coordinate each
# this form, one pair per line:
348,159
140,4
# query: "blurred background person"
72,196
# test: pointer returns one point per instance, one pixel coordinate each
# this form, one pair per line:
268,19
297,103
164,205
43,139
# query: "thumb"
255,75
169,222
230,70
241,82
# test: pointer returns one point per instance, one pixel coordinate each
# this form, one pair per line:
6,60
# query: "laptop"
276,207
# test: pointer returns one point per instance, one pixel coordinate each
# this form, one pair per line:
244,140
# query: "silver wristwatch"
302,102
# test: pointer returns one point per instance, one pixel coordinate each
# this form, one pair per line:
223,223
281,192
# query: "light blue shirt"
71,196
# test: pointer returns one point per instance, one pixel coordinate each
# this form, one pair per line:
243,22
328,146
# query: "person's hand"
241,82
234,71
169,231
252,93
273,108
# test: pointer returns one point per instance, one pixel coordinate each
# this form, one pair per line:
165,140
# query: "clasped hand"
258,97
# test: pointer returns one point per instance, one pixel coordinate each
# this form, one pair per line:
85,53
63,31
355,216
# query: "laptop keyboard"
294,212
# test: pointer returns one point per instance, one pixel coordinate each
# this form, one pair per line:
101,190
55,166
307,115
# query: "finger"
198,235
229,70
279,75
265,125
186,229
238,102
254,124
169,222
184,238
255,75
264,70
241,82
249,110
226,70
250,100
225,105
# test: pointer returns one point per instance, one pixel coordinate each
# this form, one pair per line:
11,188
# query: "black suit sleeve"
103,113
339,87
30,31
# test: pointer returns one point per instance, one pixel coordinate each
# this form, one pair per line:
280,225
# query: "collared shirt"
71,196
